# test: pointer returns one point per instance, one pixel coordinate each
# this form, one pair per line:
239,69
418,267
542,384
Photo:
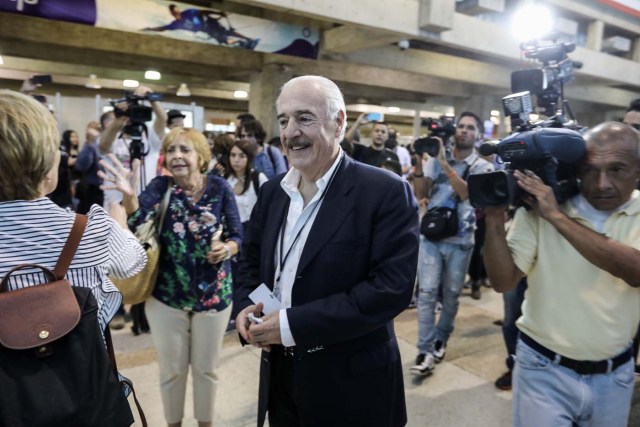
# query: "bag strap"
465,175
128,383
164,205
273,161
70,246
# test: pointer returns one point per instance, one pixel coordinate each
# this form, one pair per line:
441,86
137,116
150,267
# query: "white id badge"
265,296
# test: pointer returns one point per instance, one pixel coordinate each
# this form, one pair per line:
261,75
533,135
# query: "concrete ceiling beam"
346,39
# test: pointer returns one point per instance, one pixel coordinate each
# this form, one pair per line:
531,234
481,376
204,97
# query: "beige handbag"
138,288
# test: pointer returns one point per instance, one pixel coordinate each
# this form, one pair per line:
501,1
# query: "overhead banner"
177,20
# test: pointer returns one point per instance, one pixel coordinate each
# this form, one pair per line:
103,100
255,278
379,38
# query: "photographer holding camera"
444,256
375,154
117,141
582,306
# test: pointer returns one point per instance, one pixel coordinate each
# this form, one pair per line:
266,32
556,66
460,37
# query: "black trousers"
282,408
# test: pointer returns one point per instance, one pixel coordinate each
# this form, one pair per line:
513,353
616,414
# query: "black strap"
255,178
128,383
273,162
464,177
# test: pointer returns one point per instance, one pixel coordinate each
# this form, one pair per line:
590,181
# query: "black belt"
582,367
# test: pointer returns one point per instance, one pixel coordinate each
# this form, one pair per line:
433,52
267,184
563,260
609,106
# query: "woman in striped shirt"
33,229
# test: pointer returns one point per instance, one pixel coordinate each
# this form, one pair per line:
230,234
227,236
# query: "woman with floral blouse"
191,302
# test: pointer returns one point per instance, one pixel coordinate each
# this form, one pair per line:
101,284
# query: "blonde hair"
193,137
28,145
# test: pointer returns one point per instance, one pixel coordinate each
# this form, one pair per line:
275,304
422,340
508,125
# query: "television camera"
138,115
551,148
444,127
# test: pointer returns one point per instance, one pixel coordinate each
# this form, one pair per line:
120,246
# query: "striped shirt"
34,232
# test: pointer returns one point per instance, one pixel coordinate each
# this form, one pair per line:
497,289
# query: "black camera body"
554,154
138,114
444,127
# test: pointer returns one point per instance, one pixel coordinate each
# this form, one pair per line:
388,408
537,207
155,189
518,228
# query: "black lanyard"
282,260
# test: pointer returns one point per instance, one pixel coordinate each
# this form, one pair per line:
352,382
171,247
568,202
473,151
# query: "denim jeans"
512,311
548,394
439,262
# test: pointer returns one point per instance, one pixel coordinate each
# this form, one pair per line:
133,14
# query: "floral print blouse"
186,280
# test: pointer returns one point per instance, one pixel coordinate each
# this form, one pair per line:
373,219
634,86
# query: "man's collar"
292,179
631,207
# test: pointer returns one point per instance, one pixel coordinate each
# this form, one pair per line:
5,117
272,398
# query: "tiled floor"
459,393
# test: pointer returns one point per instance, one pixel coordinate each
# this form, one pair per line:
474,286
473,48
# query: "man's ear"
340,122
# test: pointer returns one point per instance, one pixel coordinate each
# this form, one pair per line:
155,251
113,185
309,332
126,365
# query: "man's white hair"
334,99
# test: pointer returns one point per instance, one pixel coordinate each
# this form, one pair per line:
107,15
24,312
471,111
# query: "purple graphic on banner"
80,11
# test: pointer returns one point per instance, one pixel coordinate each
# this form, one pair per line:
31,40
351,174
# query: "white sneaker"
439,350
424,364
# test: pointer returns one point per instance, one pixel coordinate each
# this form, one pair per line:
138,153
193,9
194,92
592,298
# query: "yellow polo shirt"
571,306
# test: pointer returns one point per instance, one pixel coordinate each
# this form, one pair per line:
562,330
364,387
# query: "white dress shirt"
300,219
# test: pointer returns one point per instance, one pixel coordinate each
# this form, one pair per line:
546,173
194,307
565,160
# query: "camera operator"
113,140
376,154
445,260
582,307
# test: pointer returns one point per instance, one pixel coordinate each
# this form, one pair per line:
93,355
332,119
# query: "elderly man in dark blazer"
336,241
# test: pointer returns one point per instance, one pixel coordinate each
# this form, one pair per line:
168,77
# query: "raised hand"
121,178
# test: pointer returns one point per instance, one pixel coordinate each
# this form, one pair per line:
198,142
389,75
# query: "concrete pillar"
417,125
436,15
635,50
595,34
264,89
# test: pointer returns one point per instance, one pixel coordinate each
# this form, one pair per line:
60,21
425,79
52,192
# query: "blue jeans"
512,311
439,262
548,394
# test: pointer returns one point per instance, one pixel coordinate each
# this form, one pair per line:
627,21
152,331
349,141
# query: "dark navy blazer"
355,275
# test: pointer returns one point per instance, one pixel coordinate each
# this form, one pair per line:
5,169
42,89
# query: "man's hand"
260,335
142,91
540,196
362,119
441,154
28,87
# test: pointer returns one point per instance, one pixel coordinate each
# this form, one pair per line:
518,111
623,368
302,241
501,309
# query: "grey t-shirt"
443,195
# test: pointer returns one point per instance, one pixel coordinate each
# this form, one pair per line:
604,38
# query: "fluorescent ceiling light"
1,61
152,75
495,113
92,82
130,83
393,109
240,94
183,90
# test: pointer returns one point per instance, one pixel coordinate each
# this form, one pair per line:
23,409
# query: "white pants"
182,339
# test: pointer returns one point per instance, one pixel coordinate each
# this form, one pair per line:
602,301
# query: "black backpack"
54,368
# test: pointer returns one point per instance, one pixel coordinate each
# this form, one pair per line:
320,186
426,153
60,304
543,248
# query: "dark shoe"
117,322
424,365
504,382
475,292
439,350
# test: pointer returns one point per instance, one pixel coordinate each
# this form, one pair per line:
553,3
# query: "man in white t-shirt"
113,140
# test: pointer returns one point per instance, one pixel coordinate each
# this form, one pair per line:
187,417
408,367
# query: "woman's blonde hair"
193,137
28,144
